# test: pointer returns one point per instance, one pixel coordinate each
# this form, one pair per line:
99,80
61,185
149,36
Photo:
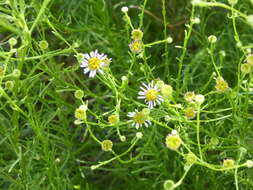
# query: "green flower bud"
79,94
43,45
137,34
12,42
169,185
190,159
9,85
113,119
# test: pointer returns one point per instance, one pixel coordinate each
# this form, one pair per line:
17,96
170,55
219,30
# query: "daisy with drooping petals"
93,63
150,93
139,119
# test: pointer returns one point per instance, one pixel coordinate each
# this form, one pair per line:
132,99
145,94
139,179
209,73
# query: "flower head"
173,141
139,119
228,163
136,46
190,113
136,34
113,119
80,113
106,145
93,63
150,93
199,99
221,85
189,96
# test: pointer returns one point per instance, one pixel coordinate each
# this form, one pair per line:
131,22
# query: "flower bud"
113,119
212,39
136,34
12,42
173,142
169,185
79,94
228,163
166,90
43,45
107,145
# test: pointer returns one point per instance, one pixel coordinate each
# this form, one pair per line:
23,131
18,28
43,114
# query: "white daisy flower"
151,95
93,63
139,119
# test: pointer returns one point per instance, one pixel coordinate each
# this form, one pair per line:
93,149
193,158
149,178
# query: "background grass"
41,148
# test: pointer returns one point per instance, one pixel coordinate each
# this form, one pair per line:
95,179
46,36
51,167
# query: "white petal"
137,126
92,73
143,89
149,122
87,56
146,125
92,54
141,93
84,64
145,85
141,97
86,70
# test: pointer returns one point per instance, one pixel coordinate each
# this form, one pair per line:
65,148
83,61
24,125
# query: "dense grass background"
41,148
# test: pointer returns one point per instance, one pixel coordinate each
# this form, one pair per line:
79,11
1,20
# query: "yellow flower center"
136,46
94,63
139,118
151,95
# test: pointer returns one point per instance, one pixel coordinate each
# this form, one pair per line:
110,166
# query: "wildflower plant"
169,100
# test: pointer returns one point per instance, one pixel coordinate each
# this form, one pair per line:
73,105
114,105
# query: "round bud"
169,40
106,145
79,94
249,163
212,39
124,9
166,90
9,85
12,42
136,34
113,119
168,185
173,142
190,159
122,138
43,44
199,98
249,59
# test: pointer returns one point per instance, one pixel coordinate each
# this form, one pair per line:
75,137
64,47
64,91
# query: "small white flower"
199,98
150,93
93,63
139,119
124,9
